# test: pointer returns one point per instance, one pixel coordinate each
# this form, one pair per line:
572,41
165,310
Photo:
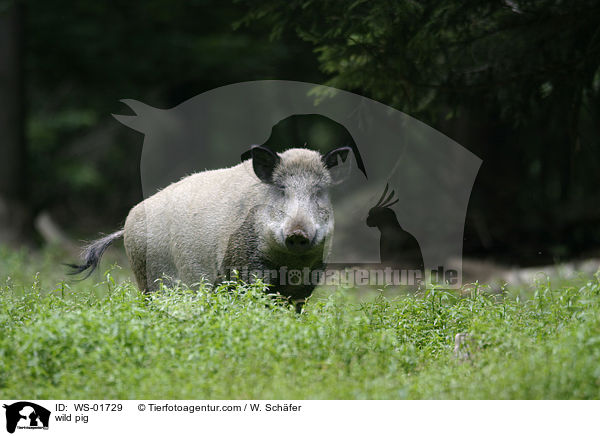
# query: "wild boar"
271,213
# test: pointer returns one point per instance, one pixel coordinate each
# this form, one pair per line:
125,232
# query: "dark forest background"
517,83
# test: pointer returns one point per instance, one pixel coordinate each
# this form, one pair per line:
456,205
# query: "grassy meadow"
101,338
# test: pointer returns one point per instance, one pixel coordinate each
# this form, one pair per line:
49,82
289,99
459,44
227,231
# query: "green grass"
102,339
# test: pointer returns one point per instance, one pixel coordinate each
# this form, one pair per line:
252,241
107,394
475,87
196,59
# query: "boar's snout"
297,241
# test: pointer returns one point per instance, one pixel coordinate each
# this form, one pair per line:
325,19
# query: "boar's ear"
264,162
338,172
331,158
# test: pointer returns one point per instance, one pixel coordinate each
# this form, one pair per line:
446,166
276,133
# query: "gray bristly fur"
92,253
195,229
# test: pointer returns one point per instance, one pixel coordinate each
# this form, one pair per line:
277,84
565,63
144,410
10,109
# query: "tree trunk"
15,217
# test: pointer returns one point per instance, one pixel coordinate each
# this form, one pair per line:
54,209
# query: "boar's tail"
92,253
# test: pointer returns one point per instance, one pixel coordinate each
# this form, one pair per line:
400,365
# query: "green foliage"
107,340
404,53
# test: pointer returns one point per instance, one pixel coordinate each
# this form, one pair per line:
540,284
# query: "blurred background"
517,83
